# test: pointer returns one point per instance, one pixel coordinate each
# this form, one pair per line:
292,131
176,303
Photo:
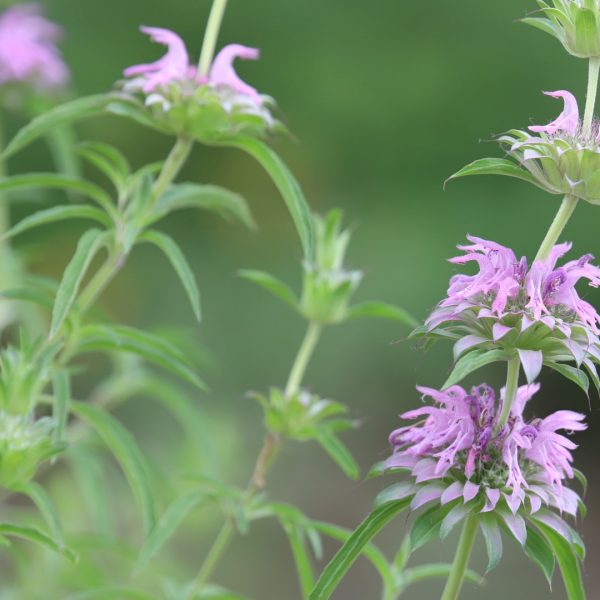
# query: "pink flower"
222,72
567,121
28,49
455,449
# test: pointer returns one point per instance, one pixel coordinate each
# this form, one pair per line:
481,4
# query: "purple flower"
174,72
454,449
28,51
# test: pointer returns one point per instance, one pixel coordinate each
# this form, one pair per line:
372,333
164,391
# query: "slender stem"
562,217
510,392
302,358
211,34
99,282
175,161
213,558
461,559
592,90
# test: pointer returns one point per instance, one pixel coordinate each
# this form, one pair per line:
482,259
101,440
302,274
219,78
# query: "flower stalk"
302,359
461,559
512,385
174,163
213,26
592,91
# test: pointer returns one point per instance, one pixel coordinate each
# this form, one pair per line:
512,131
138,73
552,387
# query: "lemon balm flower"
28,51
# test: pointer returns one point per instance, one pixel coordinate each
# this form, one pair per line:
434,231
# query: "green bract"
574,23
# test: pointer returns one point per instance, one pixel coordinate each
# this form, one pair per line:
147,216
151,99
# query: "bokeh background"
385,100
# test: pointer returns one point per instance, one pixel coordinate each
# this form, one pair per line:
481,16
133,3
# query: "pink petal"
567,121
471,490
223,73
452,492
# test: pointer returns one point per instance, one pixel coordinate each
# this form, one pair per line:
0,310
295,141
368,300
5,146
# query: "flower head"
565,157
28,51
534,310
456,452
205,105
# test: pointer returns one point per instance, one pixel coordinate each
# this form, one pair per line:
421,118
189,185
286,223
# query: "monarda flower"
564,158
28,52
574,23
533,311
204,106
461,463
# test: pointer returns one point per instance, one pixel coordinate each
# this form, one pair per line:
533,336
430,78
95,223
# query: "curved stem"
560,220
510,392
210,36
461,559
302,358
592,90
175,161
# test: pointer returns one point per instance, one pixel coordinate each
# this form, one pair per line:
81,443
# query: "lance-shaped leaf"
34,181
428,525
351,550
153,348
382,310
338,452
61,386
58,213
495,166
271,284
34,535
572,373
178,261
287,185
540,552
168,524
111,593
132,109
87,248
122,445
471,362
436,571
108,160
69,112
493,539
568,562
204,197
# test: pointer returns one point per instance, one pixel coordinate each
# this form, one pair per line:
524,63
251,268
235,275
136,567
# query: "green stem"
510,392
99,282
461,559
562,217
175,161
211,34
592,90
302,359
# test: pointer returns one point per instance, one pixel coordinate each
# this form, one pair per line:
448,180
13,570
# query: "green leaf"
38,495
33,181
539,551
89,245
111,593
494,166
69,112
153,348
288,187
471,362
567,561
572,373
427,525
122,445
351,550
178,261
382,310
296,538
133,110
168,524
33,535
58,213
586,32
204,197
271,284
493,539
542,24
61,386
437,571
338,452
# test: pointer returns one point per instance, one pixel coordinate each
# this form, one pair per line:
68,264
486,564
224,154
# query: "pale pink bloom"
222,72
567,121
28,49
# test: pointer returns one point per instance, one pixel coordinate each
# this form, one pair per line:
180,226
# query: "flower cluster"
535,310
28,51
457,449
565,157
204,105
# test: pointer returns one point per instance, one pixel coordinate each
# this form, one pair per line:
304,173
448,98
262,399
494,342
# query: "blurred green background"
385,99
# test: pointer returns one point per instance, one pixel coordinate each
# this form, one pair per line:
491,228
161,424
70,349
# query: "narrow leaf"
495,166
178,261
539,551
427,525
351,550
122,445
89,244
471,362
493,539
271,284
33,535
438,571
572,373
61,386
382,310
338,452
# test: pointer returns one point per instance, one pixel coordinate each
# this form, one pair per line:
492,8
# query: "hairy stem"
560,220
175,161
302,359
592,90
510,392
211,34
461,559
